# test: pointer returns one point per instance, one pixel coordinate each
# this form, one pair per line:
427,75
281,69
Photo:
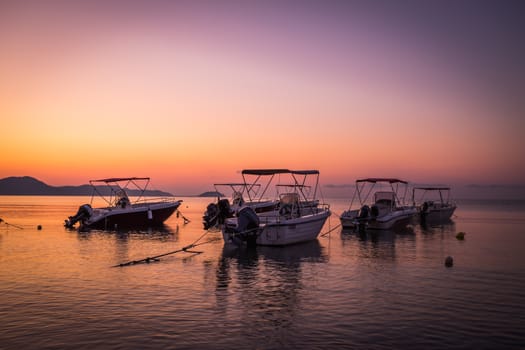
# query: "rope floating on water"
8,224
327,232
156,258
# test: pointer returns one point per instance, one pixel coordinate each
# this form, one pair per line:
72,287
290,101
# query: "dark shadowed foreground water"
382,291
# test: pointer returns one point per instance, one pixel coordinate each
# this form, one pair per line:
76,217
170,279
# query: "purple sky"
431,91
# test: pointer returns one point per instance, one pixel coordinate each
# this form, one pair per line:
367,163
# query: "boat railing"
277,216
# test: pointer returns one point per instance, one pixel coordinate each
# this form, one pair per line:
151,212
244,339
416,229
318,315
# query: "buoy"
39,227
460,235
449,261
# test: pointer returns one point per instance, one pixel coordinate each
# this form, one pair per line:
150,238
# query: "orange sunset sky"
191,92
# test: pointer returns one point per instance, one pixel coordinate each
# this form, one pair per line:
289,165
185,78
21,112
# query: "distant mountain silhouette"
211,194
27,185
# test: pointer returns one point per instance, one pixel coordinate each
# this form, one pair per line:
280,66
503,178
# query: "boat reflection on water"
128,244
376,235
163,232
381,244
441,226
310,251
267,281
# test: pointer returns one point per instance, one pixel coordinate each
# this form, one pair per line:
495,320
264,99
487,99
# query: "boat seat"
289,205
385,202
385,199
289,198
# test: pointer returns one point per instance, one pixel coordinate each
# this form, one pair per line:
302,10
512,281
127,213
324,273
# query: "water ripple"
376,291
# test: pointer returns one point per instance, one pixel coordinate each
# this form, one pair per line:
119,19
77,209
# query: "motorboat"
241,194
433,203
126,205
379,208
294,220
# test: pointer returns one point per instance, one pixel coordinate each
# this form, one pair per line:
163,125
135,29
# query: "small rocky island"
211,194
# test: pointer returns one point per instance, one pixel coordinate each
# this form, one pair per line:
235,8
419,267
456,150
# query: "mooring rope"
186,220
335,214
8,224
157,257
333,229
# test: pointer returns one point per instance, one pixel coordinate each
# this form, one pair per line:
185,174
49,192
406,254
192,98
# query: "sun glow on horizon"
189,96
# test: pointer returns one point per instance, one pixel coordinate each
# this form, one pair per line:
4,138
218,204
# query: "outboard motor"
216,214
424,211
362,218
225,211
363,213
247,225
210,215
374,211
84,212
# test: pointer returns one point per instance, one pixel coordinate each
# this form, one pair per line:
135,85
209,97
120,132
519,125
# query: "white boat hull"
286,231
438,214
394,218
349,219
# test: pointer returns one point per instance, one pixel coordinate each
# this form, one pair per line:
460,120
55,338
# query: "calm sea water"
382,291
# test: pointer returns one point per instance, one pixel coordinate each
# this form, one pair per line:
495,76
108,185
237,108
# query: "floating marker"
460,235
